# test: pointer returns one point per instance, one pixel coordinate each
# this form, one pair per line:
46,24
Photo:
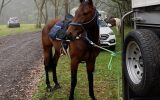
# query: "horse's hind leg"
47,64
54,61
90,70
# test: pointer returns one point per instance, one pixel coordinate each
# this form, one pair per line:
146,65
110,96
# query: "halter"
82,24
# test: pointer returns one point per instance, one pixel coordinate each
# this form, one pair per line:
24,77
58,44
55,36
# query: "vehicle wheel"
112,48
18,25
141,57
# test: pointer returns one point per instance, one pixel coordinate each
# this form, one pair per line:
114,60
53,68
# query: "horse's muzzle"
69,36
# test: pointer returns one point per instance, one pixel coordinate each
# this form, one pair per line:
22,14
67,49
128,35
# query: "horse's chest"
83,50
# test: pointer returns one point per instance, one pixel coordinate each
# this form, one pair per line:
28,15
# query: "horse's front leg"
90,70
74,68
54,65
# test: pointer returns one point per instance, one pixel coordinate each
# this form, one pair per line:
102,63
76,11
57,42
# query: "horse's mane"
51,23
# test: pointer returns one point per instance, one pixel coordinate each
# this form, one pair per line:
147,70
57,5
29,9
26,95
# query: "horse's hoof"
94,98
57,87
49,89
71,98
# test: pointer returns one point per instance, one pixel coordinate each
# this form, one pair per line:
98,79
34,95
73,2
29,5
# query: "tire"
141,55
14,25
18,25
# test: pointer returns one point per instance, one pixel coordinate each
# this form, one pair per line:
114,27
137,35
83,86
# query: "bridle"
81,24
95,17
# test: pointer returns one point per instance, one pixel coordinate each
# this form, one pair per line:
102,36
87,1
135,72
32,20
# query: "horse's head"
111,21
84,17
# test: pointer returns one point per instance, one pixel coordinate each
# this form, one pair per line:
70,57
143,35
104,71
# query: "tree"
3,4
66,6
46,13
57,4
40,5
44,5
115,8
123,5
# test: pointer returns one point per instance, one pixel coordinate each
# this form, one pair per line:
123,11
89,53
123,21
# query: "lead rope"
113,54
66,52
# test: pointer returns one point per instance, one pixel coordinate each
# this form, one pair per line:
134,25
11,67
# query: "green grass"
4,30
105,80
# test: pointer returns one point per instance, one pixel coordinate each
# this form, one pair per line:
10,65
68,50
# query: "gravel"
20,65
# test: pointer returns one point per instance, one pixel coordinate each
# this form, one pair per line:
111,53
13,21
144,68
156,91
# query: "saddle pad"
54,30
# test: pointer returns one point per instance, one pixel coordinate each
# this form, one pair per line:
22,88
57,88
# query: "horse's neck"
93,33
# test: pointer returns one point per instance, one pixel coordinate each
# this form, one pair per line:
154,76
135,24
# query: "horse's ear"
81,1
90,2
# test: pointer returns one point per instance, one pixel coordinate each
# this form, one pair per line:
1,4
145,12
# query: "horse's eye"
85,13
80,32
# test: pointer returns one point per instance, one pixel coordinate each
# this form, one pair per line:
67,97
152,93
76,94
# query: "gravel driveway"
20,65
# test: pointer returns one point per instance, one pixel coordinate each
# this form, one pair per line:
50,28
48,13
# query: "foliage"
44,5
123,6
115,8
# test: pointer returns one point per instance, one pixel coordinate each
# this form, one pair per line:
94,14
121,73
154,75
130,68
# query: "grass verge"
4,30
105,80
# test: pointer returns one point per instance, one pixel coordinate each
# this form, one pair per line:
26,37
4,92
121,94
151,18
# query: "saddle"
58,31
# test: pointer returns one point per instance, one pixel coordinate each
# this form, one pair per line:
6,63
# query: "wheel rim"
134,62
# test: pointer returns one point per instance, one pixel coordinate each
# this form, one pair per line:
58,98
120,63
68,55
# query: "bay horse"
83,29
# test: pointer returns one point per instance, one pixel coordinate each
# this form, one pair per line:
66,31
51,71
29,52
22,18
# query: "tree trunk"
1,7
41,13
38,15
46,13
3,4
66,7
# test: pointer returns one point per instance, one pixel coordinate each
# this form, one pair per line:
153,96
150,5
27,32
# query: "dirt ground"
20,65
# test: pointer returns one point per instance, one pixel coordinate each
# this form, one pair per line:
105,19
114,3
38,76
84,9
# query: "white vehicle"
103,14
13,22
107,37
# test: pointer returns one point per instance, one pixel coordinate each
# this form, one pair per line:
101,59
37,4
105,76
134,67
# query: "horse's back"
46,29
